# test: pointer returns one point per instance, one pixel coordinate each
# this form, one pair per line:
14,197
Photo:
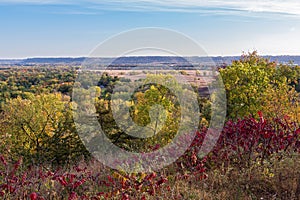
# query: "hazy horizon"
76,57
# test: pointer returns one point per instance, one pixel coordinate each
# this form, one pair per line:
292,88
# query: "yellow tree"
255,84
41,128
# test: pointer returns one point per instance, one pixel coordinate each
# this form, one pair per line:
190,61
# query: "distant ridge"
217,60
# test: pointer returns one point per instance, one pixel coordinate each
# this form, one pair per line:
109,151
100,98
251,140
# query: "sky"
65,28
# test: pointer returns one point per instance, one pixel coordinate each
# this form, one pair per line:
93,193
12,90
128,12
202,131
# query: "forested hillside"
43,156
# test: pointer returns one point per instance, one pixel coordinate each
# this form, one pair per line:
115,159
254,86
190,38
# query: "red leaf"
33,196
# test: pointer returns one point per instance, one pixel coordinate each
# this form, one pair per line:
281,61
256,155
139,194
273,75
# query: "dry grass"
279,180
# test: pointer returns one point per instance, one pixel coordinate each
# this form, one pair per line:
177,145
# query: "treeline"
17,81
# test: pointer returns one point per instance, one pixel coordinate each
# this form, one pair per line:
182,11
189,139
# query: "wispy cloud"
288,7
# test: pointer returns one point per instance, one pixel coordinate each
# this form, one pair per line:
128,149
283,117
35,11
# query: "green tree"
41,129
253,82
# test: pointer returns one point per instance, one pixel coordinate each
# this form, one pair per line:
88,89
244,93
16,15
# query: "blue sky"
52,28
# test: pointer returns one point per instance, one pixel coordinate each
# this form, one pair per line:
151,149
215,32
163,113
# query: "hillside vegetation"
257,155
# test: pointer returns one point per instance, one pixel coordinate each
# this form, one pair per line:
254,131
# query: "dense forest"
44,157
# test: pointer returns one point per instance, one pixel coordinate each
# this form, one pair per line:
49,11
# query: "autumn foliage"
243,144
256,156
